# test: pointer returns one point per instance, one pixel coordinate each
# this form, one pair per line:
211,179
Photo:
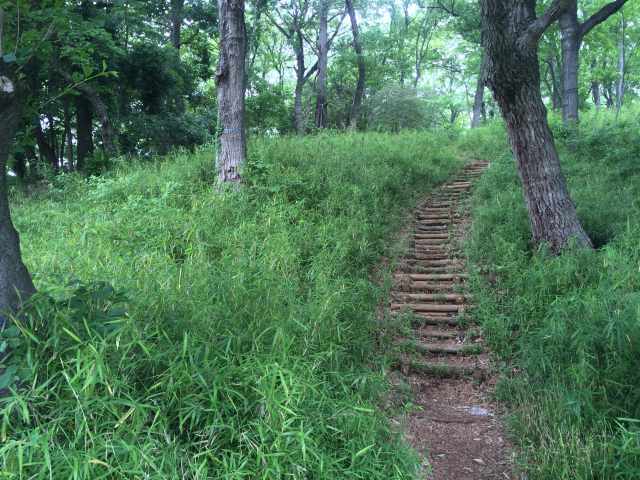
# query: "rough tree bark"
323,62
573,32
510,35
354,112
84,131
478,100
15,282
230,80
175,29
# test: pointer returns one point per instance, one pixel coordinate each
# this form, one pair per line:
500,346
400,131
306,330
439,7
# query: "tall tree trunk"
298,112
511,34
230,80
570,32
478,99
176,16
47,153
607,91
556,99
595,86
356,105
621,66
84,130
68,134
595,94
323,62
15,282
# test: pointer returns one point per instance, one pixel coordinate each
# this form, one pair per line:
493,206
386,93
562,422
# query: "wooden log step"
432,262
423,233
420,270
431,287
433,223
432,297
436,236
444,348
422,287
428,259
434,332
443,370
421,277
427,307
433,254
434,242
435,320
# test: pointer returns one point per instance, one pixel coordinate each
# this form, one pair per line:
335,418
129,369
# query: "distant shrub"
397,108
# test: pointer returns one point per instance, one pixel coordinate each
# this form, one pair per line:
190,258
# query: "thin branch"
337,30
600,16
279,27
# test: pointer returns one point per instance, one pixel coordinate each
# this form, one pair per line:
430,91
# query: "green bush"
569,326
235,336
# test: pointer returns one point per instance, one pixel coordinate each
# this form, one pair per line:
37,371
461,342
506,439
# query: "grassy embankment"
570,325
238,339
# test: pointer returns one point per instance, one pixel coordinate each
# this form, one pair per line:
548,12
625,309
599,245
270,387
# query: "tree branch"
534,31
310,72
600,16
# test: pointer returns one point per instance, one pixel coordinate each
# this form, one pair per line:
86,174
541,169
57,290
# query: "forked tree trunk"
109,142
573,32
15,282
230,80
511,34
323,62
356,105
478,99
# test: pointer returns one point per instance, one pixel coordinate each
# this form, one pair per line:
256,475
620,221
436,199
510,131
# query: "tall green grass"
567,327
183,332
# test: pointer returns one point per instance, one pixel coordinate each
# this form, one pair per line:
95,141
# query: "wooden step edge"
441,370
443,348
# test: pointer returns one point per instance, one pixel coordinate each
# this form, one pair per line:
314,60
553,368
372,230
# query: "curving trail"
455,425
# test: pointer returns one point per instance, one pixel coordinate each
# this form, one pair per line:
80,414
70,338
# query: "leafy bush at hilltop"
569,325
234,336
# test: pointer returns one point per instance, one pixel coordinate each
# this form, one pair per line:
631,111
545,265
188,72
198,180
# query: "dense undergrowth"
569,326
233,336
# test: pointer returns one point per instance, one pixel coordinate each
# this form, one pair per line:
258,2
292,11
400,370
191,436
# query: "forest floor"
452,421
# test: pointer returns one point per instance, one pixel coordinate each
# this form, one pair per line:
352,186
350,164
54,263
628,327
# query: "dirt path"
456,426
